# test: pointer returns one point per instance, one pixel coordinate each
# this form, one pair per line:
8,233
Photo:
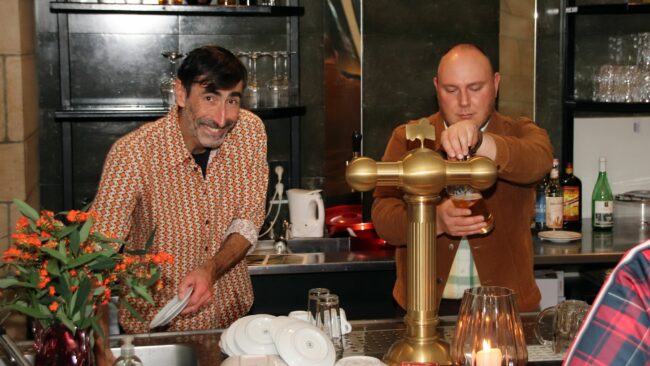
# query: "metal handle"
13,351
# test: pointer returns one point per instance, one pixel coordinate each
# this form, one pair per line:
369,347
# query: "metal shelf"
215,10
604,107
149,114
608,9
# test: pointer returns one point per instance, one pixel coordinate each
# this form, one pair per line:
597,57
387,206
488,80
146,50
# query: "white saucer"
278,323
170,310
559,236
359,361
229,338
302,344
253,335
253,360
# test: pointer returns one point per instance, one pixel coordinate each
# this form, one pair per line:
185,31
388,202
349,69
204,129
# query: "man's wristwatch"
474,149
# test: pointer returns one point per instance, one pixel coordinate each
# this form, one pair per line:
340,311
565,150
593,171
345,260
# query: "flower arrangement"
60,270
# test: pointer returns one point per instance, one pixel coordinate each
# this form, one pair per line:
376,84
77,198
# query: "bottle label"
554,212
571,203
603,213
540,209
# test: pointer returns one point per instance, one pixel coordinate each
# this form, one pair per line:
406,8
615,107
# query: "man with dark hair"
467,124
197,178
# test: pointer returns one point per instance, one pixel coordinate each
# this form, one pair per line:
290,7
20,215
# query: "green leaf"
74,242
29,311
98,290
85,230
26,209
81,260
65,320
66,231
82,294
154,277
131,310
53,268
63,288
142,292
102,263
8,282
55,254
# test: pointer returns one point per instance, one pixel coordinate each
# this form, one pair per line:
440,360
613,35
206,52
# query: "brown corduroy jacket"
504,257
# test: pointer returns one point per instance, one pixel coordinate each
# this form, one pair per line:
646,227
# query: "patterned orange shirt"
150,180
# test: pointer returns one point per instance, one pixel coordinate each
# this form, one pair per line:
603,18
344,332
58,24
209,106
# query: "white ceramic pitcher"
307,213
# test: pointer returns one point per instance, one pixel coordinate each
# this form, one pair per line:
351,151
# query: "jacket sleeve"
388,208
525,155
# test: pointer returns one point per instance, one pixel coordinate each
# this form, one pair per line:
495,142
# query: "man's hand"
456,221
458,138
201,281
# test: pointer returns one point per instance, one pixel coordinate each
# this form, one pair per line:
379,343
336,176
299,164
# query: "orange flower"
54,306
72,215
11,254
73,273
82,217
52,291
22,223
27,239
44,283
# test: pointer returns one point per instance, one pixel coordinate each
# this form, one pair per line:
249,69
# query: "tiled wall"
18,123
517,57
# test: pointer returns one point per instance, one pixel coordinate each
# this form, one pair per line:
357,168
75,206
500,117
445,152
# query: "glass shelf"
590,106
608,9
235,10
117,114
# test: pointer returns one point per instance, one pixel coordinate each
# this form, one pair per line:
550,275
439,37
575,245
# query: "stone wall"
517,57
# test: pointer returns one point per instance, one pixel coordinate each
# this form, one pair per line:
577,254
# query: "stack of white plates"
171,310
359,361
297,342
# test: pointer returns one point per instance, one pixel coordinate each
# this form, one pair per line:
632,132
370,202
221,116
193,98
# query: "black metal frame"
569,105
68,114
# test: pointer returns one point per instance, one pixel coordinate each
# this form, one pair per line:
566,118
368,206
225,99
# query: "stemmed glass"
168,81
284,79
252,92
273,86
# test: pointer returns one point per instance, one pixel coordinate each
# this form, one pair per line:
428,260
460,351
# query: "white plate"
253,335
224,345
301,344
253,360
170,310
559,236
359,361
229,338
278,323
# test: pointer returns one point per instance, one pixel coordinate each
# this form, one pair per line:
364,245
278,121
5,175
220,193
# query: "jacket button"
206,248
451,246
439,280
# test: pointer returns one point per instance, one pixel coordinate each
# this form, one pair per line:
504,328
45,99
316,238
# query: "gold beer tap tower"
421,174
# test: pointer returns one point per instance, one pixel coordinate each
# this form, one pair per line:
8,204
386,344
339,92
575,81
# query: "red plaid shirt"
617,329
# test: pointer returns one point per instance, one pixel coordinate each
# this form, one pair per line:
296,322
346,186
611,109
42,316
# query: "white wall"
625,141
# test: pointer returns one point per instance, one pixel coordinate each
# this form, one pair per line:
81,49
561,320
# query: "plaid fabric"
617,329
463,274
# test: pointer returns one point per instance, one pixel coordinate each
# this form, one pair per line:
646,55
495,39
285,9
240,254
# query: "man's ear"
181,93
435,81
497,80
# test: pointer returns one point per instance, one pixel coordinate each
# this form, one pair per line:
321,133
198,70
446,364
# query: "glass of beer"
468,197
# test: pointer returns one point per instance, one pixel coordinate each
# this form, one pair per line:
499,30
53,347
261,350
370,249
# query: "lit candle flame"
486,345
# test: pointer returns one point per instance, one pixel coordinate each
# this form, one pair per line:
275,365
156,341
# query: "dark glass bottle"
540,204
572,204
554,199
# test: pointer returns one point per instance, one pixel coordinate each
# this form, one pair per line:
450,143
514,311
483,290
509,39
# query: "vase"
57,345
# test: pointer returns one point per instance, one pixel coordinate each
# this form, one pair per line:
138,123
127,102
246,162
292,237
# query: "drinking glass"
312,301
168,81
273,85
567,318
328,319
252,93
464,196
489,330
284,79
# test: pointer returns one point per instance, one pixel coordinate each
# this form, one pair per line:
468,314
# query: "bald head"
466,85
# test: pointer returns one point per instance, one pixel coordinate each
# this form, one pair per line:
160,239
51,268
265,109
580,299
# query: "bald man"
468,124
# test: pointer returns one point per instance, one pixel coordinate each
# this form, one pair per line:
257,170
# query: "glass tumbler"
328,319
464,196
489,330
312,301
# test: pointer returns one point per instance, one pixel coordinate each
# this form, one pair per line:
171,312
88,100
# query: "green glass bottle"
602,200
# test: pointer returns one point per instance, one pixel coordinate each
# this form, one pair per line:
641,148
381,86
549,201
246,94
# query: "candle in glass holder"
488,356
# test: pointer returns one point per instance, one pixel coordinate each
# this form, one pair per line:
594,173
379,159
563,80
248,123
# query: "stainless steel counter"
368,337
337,255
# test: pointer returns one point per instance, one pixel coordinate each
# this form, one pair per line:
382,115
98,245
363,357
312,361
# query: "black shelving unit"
571,106
70,113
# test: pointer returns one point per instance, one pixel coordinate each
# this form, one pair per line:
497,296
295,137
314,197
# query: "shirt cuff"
245,228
